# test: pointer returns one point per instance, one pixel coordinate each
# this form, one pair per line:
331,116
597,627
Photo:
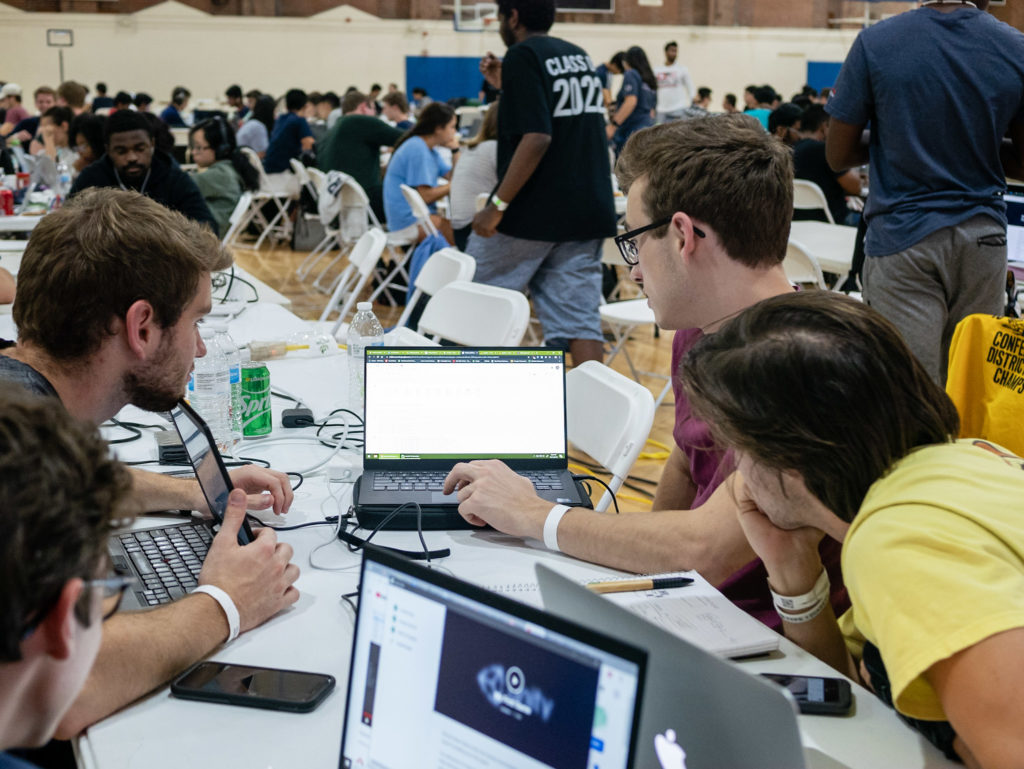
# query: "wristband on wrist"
226,605
612,121
799,603
551,526
806,616
498,203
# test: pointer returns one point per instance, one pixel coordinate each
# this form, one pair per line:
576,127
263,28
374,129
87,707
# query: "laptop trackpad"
444,499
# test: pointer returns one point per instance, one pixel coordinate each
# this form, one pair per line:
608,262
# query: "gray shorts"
563,279
930,287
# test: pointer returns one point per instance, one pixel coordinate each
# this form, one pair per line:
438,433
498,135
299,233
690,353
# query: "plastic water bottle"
209,390
364,331
227,345
63,183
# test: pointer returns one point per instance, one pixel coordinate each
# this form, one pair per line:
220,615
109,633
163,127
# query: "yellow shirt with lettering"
934,562
986,379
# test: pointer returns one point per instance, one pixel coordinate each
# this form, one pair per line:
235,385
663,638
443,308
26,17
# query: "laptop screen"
459,404
1015,223
207,463
446,674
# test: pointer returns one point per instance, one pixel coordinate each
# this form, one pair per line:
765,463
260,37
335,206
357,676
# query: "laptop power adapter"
170,449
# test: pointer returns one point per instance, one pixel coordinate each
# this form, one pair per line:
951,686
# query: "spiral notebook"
697,613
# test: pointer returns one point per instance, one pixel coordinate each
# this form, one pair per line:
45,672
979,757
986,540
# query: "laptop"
1014,198
698,711
448,674
427,409
167,560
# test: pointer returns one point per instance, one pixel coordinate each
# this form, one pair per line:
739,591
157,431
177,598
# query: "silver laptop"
428,409
445,674
1014,198
698,711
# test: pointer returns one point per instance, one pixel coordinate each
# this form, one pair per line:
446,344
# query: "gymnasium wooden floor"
276,267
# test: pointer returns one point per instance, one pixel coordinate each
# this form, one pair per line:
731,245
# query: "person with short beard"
111,289
133,162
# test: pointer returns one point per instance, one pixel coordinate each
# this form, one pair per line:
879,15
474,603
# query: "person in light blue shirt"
941,86
418,163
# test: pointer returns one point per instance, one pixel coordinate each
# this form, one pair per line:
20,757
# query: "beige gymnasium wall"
171,44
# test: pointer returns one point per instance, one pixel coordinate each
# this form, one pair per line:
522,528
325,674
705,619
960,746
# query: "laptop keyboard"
168,560
433,480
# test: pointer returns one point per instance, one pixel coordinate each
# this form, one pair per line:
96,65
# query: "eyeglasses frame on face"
116,585
627,240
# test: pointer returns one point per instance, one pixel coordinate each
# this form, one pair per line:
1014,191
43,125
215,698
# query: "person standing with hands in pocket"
544,224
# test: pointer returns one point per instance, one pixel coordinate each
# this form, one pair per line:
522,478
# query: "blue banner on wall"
443,77
822,74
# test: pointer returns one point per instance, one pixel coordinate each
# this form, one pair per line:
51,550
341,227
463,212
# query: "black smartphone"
817,695
253,687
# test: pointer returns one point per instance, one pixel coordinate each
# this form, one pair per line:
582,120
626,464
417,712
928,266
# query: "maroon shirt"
709,466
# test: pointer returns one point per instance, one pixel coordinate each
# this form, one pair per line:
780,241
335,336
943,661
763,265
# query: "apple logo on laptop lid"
670,753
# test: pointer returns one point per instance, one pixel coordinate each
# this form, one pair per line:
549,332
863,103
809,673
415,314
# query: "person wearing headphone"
224,173
172,112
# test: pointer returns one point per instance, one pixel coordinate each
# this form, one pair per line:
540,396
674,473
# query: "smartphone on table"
253,687
817,695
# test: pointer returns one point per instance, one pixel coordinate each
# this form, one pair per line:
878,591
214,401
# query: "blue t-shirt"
415,164
172,117
7,761
939,90
761,115
646,98
604,75
285,142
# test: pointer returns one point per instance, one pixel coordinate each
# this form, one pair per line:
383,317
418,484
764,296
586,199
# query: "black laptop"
166,560
427,409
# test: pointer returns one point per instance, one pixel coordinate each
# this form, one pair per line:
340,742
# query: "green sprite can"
256,416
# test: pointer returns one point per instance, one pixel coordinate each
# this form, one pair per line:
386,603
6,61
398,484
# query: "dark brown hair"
105,249
818,383
62,493
722,170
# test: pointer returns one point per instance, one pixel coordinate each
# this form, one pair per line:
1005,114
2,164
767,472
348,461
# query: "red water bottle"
6,202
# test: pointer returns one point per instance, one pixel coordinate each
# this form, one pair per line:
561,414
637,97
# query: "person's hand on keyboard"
489,492
259,576
265,487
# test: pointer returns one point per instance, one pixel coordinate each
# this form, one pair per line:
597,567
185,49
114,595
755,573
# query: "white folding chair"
443,267
626,410
802,268
807,196
279,227
419,209
623,318
361,261
303,176
474,314
239,217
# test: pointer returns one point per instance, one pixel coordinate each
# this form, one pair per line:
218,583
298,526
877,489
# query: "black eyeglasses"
113,587
627,244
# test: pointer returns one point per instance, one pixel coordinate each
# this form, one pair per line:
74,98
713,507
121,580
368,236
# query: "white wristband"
227,605
806,616
551,526
799,603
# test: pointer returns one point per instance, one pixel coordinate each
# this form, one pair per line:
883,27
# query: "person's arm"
676,489
850,182
708,539
433,194
142,650
490,68
307,143
153,491
844,147
525,160
793,563
624,111
1012,153
7,287
982,693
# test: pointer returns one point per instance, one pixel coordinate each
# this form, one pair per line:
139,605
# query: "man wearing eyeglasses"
708,211
112,287
53,562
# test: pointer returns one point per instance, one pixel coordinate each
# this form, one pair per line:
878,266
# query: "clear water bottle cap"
206,332
365,306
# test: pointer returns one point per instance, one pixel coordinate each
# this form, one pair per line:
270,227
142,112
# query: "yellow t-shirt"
934,562
986,379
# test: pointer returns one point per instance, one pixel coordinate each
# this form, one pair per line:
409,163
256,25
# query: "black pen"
636,585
